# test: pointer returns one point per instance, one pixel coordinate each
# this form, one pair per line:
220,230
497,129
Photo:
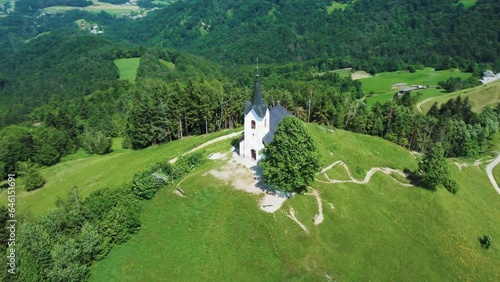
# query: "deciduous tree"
291,159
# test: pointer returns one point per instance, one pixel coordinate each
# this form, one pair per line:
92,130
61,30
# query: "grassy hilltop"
378,231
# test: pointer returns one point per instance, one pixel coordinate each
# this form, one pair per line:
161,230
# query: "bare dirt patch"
360,75
245,174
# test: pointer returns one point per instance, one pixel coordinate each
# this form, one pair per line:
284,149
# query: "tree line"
63,243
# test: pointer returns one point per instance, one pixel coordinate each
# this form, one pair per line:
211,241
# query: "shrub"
31,175
144,185
486,241
451,185
96,143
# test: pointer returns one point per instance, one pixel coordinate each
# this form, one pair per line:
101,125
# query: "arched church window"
265,122
253,124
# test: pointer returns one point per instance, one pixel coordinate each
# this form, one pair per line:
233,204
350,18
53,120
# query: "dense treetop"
369,34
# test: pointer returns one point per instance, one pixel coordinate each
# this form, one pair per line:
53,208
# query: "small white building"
489,76
260,124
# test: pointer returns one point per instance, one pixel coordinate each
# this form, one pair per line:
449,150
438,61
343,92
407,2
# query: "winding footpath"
210,142
489,171
385,170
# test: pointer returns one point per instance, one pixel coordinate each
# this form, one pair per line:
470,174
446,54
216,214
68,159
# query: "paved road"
489,171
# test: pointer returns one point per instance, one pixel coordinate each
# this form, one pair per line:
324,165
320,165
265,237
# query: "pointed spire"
257,103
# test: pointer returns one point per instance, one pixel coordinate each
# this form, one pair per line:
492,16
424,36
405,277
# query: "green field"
97,7
93,172
335,6
128,68
380,84
468,3
479,96
379,231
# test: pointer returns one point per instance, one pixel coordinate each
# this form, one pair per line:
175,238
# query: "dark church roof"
257,103
277,113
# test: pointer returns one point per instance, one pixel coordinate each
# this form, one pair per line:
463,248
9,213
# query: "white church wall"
253,137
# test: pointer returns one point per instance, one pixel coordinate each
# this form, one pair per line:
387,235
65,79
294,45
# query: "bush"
126,143
486,241
451,185
31,175
96,143
144,185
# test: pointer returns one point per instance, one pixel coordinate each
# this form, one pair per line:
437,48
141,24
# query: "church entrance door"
254,154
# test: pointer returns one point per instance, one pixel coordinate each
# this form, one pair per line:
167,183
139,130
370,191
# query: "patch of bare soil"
360,75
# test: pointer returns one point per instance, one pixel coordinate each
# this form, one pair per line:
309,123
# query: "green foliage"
304,31
451,185
66,262
433,169
35,245
30,172
456,83
16,144
486,241
291,159
144,185
91,243
96,143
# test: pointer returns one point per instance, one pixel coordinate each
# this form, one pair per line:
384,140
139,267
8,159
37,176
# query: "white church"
260,125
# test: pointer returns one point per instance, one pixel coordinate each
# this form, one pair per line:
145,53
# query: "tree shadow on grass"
416,181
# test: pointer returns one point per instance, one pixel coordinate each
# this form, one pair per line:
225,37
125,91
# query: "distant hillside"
376,35
480,97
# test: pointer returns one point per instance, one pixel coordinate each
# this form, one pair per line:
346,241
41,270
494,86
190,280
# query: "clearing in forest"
381,89
128,68
480,96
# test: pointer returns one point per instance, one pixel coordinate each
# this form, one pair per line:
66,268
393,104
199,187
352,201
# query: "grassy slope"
381,83
468,3
334,6
479,96
128,68
97,7
95,172
378,231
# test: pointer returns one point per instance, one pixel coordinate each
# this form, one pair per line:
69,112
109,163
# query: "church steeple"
257,103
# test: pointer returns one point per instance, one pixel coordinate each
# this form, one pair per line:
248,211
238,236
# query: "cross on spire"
257,74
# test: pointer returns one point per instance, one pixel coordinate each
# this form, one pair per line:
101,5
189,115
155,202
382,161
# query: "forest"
60,91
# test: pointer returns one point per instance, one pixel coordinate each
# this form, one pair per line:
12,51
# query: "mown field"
380,84
93,172
480,96
335,6
97,7
128,68
380,231
468,3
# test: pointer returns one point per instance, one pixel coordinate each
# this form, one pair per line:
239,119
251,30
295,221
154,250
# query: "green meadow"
128,68
92,172
379,231
97,7
335,6
468,3
480,96
380,84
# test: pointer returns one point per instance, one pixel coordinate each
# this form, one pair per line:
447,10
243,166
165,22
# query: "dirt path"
419,105
218,139
318,219
489,171
476,163
369,174
294,218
